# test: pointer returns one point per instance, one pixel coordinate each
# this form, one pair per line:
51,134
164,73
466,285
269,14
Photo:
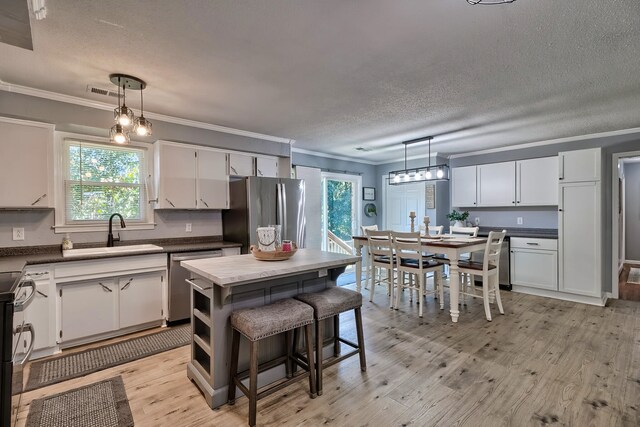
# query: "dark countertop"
15,259
534,233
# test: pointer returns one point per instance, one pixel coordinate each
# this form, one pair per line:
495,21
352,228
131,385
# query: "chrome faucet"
110,238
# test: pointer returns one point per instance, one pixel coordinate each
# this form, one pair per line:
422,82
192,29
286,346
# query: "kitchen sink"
112,250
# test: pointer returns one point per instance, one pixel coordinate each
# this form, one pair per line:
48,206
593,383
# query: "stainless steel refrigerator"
260,202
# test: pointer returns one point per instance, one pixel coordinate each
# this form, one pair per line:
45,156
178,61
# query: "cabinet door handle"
235,172
39,198
169,201
126,285
533,244
205,203
43,294
260,172
106,288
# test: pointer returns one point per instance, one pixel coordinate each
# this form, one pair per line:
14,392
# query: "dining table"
450,245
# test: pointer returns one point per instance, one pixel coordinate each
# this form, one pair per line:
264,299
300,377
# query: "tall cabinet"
580,223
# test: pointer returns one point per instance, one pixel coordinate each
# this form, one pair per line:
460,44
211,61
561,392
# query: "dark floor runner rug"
52,371
102,404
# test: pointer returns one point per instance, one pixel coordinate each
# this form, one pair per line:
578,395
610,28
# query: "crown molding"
69,99
351,159
548,142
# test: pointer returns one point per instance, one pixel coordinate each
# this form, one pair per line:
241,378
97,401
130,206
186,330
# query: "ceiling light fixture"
429,173
489,2
123,115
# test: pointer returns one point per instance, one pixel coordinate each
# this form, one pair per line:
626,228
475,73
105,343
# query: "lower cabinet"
140,299
88,308
534,263
38,314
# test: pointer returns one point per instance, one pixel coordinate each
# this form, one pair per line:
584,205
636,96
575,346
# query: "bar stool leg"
296,341
233,367
336,335
318,355
289,343
359,332
253,382
308,337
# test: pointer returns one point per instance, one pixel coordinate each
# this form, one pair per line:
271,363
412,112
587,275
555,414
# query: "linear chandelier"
430,172
489,2
124,116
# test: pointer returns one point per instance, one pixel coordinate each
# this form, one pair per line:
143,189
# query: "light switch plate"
18,233
188,228
477,221
519,220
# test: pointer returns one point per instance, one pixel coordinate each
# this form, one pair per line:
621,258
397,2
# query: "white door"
37,313
537,182
177,177
24,165
140,299
497,184
88,308
267,166
580,165
534,268
463,187
400,200
213,181
312,205
579,250
240,165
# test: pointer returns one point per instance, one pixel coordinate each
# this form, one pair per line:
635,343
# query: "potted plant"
458,217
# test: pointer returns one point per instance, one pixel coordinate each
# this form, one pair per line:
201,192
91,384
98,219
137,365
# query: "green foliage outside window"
339,208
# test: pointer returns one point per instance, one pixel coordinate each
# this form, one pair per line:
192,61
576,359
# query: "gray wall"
632,211
344,166
438,215
90,121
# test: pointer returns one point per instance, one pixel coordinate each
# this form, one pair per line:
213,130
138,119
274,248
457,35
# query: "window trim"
60,173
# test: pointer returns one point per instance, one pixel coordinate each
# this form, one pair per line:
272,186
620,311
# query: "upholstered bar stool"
257,323
330,303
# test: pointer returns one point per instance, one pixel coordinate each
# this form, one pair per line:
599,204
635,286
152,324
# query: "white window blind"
103,179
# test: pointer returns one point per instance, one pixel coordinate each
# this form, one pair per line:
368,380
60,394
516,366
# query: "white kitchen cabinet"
463,186
579,232
534,263
580,165
176,170
140,298
537,182
26,160
497,184
88,308
213,181
38,313
240,165
267,166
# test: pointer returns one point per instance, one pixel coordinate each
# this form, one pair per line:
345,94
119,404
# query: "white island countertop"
242,269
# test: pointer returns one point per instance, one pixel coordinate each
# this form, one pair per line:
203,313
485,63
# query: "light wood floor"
546,362
628,291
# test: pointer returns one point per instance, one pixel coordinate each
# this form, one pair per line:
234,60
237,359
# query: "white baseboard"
582,299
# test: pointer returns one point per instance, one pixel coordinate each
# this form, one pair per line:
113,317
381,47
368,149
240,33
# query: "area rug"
634,276
52,371
102,404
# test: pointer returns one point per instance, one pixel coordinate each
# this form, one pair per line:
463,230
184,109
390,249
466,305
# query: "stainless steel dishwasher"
179,290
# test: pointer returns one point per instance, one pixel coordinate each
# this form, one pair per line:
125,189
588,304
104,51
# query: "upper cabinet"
26,159
497,184
580,165
241,165
537,182
267,166
463,186
190,177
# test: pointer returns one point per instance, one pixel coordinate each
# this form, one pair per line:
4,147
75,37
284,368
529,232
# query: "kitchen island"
221,285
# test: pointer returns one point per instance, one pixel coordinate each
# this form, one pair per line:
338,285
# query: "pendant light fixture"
438,172
123,115
489,2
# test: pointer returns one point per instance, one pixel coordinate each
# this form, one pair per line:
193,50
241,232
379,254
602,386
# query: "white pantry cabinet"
463,186
580,165
26,160
537,182
497,184
140,298
88,308
267,166
534,263
240,165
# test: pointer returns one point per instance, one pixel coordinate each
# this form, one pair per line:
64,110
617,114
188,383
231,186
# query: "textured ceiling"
337,74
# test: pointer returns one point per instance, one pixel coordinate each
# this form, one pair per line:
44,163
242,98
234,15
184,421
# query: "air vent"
101,91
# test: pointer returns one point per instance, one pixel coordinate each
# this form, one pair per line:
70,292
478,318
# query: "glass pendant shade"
123,116
142,126
118,134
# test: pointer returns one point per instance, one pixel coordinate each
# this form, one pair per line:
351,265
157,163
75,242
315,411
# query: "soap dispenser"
67,243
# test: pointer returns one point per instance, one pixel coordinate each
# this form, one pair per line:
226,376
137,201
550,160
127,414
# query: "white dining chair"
410,259
467,281
436,230
367,267
380,249
489,268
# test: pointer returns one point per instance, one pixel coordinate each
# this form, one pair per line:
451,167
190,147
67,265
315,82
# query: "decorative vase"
458,224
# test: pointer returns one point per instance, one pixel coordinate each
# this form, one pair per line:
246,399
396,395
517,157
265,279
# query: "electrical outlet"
188,228
519,220
477,221
18,233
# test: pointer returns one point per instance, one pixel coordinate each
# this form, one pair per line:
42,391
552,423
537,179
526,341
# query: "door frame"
357,180
615,200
